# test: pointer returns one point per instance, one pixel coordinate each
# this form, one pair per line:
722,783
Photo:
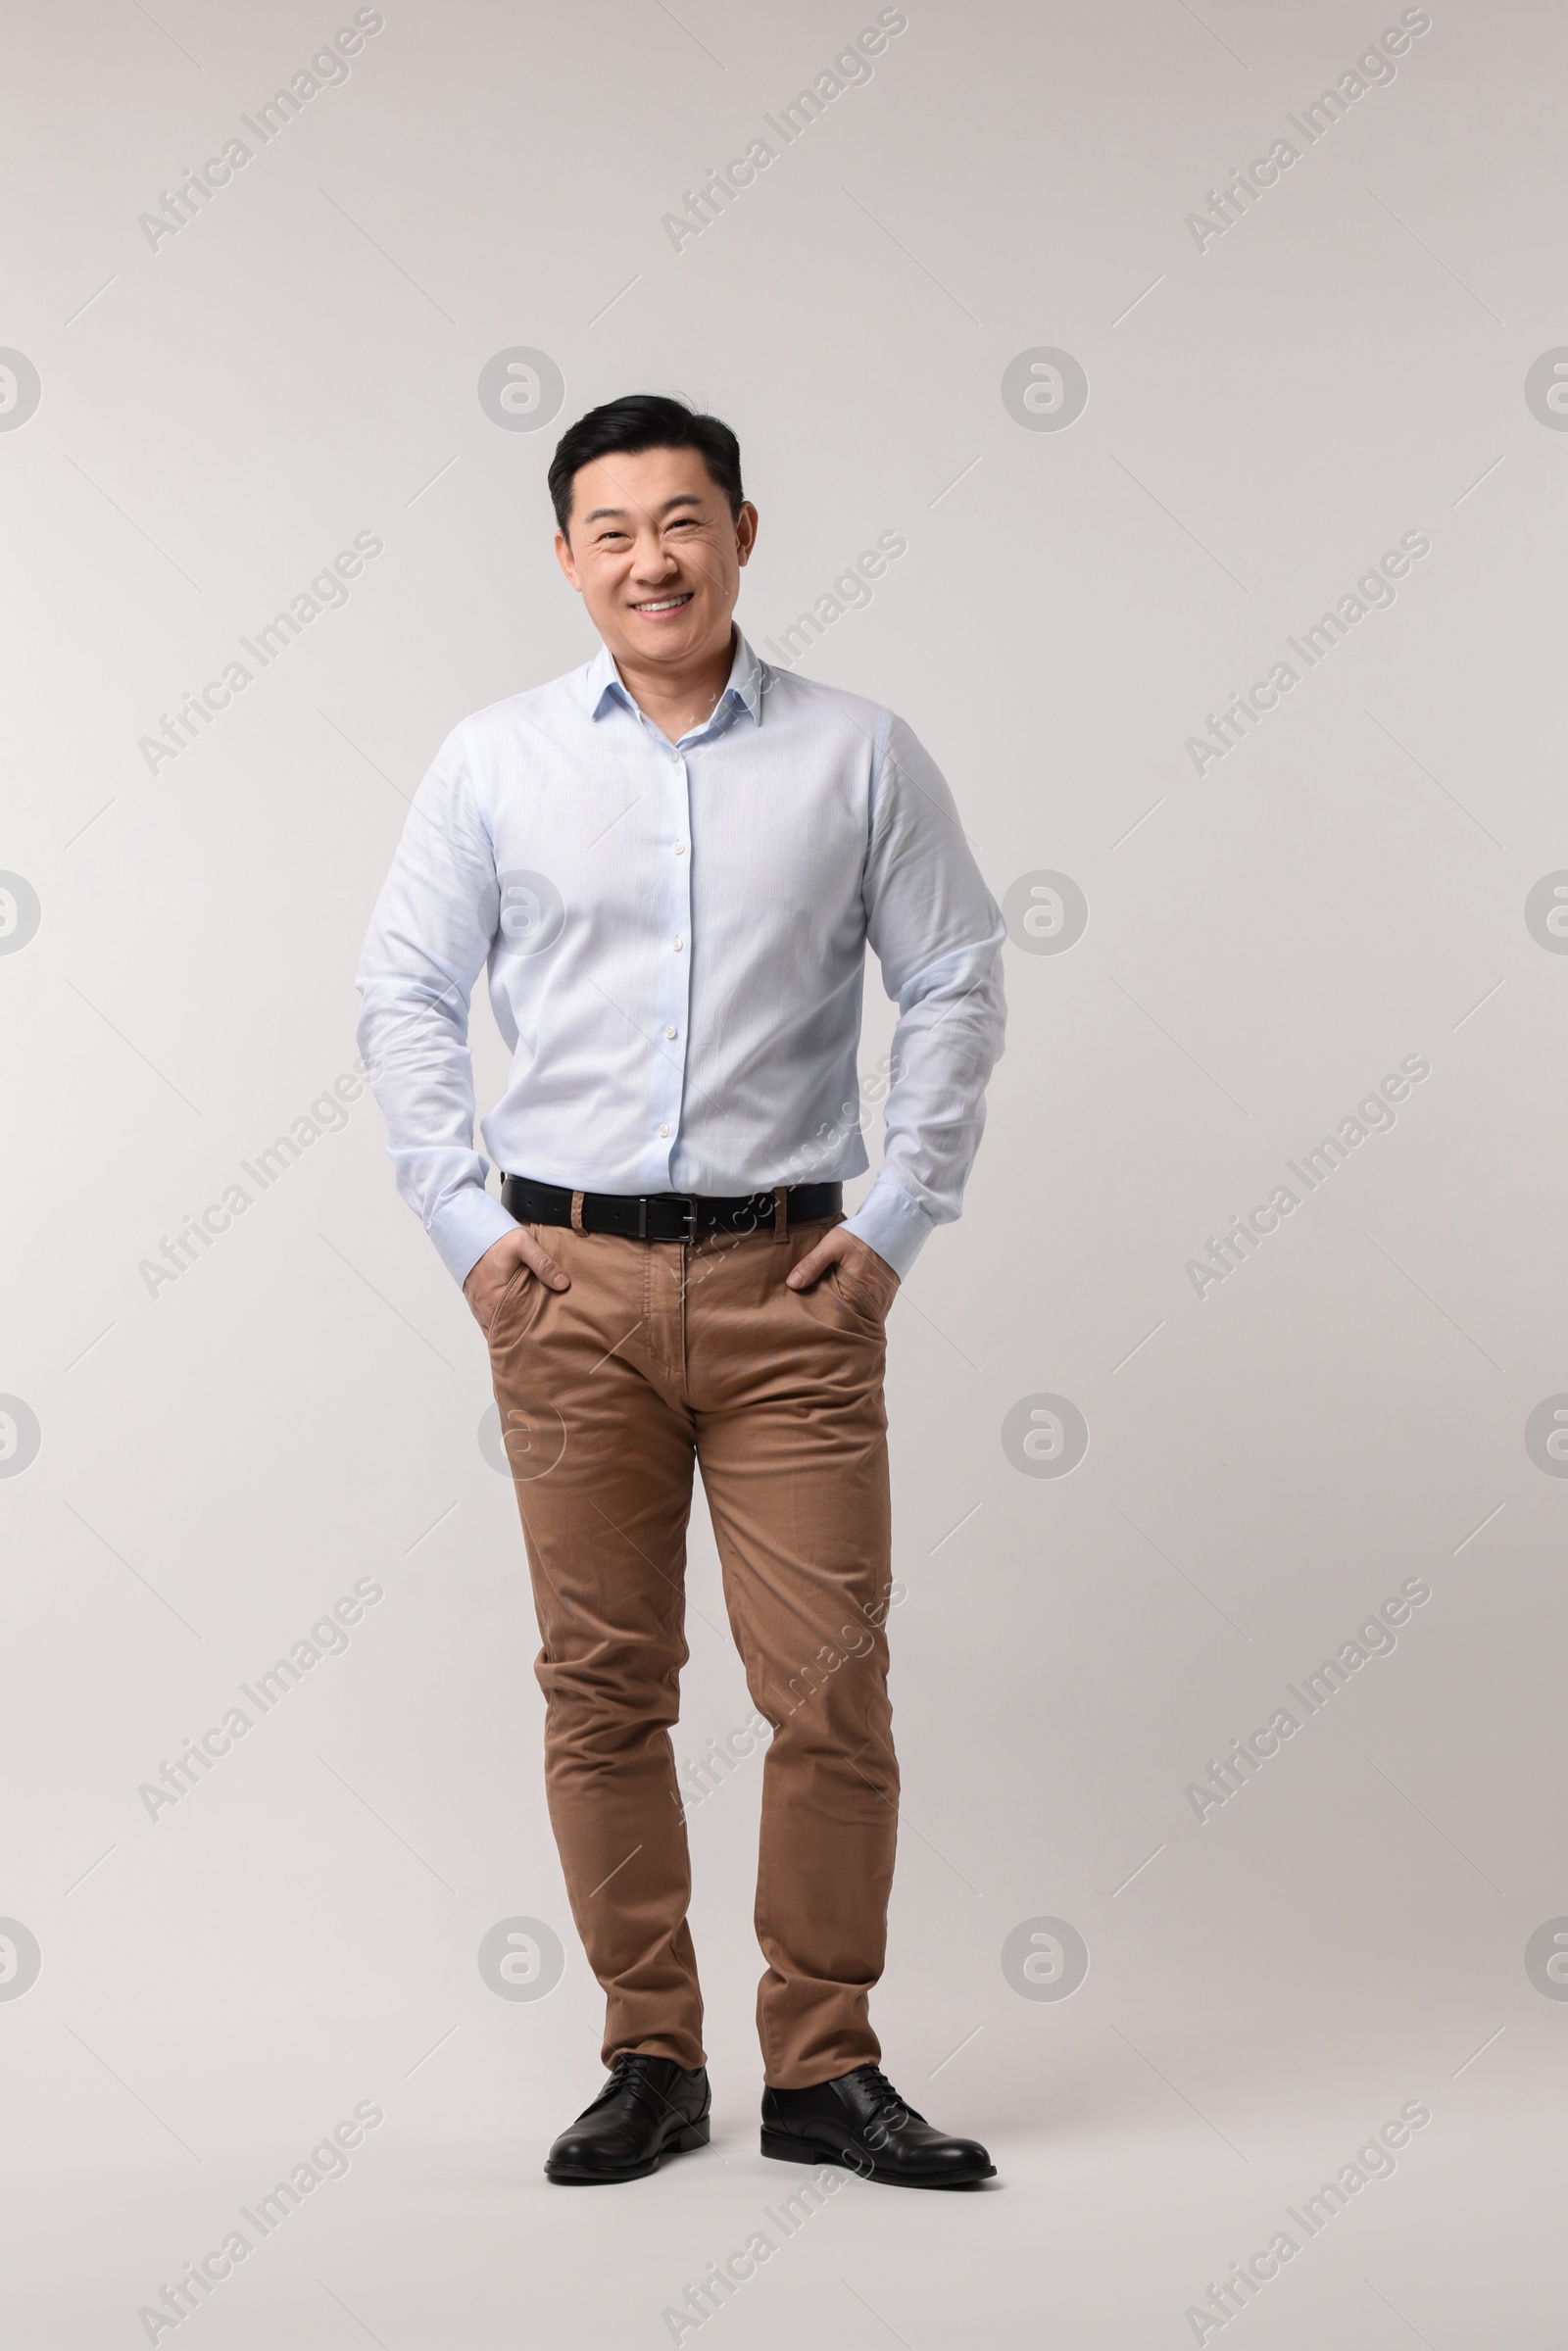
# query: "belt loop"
577,1211
781,1215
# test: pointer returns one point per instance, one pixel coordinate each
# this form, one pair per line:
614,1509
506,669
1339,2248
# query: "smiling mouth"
665,604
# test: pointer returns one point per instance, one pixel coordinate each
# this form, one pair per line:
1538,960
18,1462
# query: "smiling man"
673,862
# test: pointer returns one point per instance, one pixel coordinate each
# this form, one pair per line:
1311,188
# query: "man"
673,862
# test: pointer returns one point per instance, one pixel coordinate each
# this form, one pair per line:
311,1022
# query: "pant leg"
601,1450
792,1441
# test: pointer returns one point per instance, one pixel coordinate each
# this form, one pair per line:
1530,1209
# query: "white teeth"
668,606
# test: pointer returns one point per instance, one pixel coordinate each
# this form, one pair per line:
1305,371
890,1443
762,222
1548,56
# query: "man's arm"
428,939
937,933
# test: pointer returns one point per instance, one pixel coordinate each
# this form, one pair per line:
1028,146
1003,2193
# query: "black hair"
644,420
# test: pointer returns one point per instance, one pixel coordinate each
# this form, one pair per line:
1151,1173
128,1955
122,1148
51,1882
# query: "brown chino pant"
656,1356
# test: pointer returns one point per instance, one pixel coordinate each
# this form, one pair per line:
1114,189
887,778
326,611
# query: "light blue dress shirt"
676,940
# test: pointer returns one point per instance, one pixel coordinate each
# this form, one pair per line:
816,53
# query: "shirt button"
664,1130
669,1032
679,945
680,849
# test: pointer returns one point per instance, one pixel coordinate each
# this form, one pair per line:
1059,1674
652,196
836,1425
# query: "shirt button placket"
677,991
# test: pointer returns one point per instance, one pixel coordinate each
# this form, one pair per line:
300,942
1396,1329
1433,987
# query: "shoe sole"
689,2136
785,2149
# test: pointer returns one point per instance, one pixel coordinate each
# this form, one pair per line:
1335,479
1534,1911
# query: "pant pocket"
521,1283
857,1298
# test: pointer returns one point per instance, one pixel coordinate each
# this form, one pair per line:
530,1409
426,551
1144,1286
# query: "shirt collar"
744,692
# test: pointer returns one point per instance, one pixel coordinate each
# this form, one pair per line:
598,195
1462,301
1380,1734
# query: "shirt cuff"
466,1226
889,1221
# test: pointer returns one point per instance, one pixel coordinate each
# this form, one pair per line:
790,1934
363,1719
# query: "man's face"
657,554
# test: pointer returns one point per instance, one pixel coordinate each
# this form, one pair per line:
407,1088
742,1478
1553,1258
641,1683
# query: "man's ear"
569,562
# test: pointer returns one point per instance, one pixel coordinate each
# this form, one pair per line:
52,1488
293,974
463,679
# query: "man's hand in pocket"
487,1282
862,1262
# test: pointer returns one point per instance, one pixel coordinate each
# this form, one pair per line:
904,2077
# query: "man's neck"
678,701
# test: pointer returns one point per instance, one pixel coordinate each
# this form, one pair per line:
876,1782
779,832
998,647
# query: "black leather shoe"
861,2121
649,2108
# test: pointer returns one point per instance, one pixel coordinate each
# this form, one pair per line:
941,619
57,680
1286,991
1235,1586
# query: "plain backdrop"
197,1469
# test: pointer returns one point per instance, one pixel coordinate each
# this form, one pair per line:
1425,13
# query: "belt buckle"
687,1201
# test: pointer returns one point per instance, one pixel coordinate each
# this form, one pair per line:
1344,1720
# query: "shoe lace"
615,2082
888,2108
626,2073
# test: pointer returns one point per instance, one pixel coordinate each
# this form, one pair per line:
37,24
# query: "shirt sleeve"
937,933
428,939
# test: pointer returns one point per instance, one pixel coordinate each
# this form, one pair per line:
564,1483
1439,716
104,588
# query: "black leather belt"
665,1215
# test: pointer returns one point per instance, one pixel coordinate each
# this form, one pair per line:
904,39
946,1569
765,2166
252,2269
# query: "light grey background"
219,1462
